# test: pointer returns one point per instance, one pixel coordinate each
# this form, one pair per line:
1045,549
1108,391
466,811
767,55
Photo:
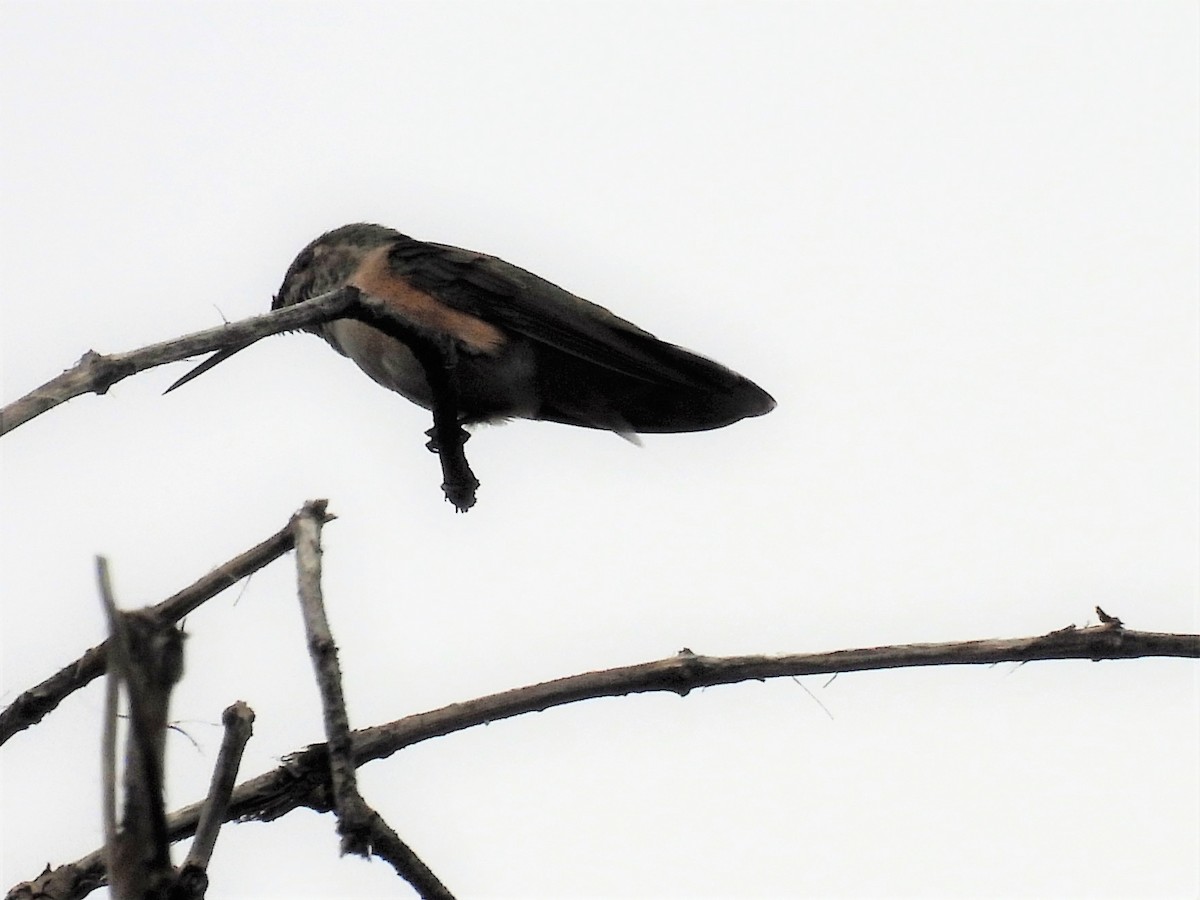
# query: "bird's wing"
513,298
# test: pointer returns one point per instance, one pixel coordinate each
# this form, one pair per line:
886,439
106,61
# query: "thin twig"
32,705
96,373
238,720
323,651
321,648
359,825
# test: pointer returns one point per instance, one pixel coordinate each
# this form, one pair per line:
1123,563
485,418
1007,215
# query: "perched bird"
519,346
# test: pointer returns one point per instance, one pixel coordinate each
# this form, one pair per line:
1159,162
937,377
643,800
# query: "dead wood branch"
32,705
147,659
363,830
96,373
303,779
238,720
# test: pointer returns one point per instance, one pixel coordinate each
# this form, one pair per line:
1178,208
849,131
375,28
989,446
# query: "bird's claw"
461,494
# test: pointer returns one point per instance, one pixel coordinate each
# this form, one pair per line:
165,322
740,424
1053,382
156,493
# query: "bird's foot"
458,481
461,491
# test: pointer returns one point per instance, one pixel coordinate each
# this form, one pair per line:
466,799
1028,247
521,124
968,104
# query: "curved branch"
303,779
32,705
96,373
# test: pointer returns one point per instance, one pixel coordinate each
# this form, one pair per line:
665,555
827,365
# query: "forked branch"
304,781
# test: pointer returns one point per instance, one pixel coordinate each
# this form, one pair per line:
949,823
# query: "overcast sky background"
956,241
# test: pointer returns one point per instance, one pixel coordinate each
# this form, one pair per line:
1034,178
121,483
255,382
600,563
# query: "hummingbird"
505,343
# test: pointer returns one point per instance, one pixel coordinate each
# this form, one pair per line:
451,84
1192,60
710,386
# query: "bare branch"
96,374
347,803
147,657
388,845
303,779
32,705
362,829
238,720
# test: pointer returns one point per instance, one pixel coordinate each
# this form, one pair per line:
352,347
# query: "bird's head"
324,265
328,262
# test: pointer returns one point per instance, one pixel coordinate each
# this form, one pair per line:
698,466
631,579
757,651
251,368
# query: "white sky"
957,242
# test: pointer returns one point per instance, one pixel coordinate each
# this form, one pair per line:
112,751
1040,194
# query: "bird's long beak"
219,357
